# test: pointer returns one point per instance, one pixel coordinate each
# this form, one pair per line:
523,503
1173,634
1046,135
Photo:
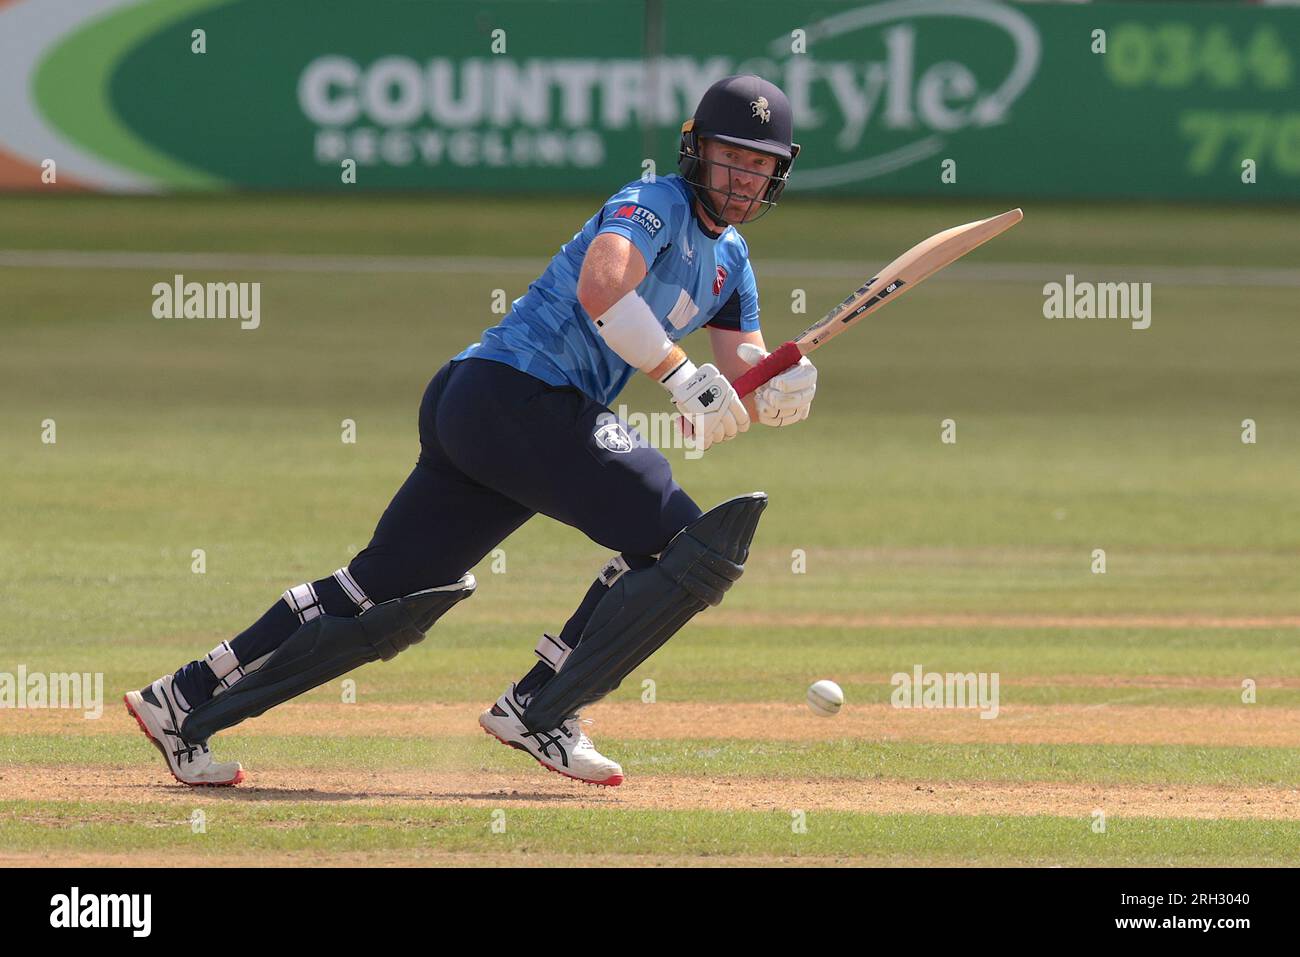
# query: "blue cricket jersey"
692,279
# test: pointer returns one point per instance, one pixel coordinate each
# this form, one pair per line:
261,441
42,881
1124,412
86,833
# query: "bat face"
892,287
909,269
919,262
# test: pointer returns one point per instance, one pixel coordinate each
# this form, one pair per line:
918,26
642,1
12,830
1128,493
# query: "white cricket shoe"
159,712
566,750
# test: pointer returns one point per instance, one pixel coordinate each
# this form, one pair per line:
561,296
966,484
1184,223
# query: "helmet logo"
761,109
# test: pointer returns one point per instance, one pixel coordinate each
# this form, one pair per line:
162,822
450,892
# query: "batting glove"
713,411
784,399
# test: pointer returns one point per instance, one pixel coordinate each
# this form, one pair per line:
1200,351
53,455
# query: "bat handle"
769,368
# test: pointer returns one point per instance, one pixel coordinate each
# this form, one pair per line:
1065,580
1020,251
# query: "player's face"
737,178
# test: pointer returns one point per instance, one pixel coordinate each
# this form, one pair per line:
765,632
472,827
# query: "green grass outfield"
175,435
840,760
707,836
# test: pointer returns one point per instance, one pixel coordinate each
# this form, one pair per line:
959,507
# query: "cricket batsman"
519,423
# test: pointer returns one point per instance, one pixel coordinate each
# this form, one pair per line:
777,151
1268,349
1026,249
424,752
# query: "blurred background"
1035,101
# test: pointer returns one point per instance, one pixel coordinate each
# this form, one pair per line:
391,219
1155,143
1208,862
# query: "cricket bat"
921,261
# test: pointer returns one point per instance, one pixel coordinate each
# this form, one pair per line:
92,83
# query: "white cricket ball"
825,698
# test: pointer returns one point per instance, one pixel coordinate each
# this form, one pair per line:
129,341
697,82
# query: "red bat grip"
769,368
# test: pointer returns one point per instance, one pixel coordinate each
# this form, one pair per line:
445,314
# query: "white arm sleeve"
630,328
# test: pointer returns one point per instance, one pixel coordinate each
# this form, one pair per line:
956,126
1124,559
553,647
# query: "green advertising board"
906,97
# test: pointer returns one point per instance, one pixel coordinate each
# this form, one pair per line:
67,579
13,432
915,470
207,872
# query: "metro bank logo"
641,216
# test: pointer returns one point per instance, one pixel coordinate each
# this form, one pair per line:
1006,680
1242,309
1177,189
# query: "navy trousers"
497,446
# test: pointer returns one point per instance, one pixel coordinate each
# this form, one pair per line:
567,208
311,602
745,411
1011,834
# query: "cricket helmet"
745,111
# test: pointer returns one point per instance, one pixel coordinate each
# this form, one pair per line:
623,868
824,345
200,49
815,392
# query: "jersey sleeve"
643,214
740,312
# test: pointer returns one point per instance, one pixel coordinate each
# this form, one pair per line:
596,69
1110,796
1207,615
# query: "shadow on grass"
272,794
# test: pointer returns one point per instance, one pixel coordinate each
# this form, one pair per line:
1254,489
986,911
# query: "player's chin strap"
706,203
322,649
644,608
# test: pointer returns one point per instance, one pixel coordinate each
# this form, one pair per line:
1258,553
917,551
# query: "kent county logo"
614,438
760,108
